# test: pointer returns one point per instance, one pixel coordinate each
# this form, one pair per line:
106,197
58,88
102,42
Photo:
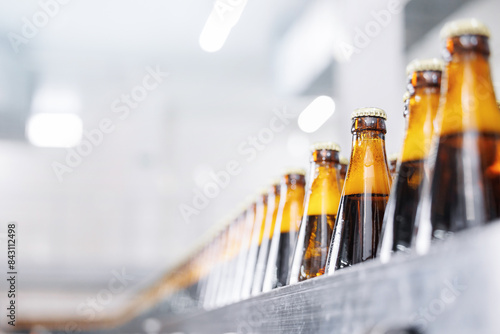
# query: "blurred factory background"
127,203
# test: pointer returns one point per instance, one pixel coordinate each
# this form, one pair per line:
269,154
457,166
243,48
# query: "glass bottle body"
364,197
255,242
463,190
420,113
320,210
285,232
265,239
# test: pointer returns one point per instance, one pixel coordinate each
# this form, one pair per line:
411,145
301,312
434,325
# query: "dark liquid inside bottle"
285,253
462,199
409,184
316,246
359,240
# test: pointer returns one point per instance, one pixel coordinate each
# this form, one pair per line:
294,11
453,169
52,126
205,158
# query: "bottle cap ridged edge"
264,190
275,181
418,65
406,96
327,145
369,111
243,206
393,156
295,171
464,27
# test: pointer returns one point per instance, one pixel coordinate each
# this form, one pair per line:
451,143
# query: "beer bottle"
219,245
206,267
343,170
228,263
285,230
257,233
265,237
365,194
320,210
239,248
248,218
195,275
464,186
424,84
217,253
393,163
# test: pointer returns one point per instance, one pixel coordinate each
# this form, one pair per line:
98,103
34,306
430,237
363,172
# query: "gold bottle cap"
369,111
223,224
419,65
464,27
275,181
328,145
393,157
344,160
406,96
241,208
294,171
247,203
264,190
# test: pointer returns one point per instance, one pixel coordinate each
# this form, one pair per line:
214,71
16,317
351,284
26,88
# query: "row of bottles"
447,179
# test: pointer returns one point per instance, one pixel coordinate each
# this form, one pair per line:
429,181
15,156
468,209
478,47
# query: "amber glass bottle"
201,265
464,186
365,194
207,264
285,230
219,249
320,210
224,289
255,241
266,236
393,164
344,163
247,220
424,84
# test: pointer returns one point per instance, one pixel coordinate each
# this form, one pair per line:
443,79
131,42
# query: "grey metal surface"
453,289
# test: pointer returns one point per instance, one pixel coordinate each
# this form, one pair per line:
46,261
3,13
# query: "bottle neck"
273,201
469,103
422,109
343,170
272,214
324,192
236,230
292,203
326,155
261,223
368,172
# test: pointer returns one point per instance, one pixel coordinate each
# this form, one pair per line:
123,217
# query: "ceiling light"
316,114
221,20
54,130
